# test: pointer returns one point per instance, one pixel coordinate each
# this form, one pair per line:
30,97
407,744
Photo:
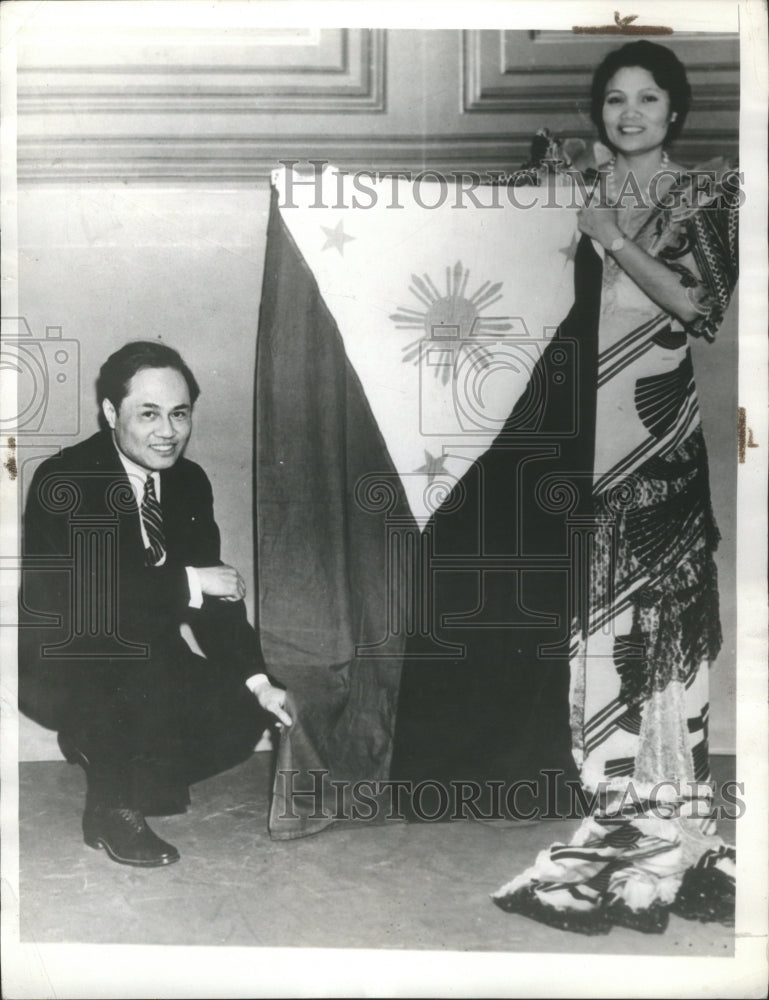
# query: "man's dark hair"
663,64
120,367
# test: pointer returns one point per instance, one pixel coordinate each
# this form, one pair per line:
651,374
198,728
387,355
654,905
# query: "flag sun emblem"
453,319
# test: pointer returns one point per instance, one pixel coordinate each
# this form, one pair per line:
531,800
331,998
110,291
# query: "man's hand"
222,581
271,698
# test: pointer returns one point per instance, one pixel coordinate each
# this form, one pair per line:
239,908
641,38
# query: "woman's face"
636,112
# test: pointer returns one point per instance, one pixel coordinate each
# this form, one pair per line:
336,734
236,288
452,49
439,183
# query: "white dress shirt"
137,476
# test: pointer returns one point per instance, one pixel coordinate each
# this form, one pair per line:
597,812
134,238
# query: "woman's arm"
654,278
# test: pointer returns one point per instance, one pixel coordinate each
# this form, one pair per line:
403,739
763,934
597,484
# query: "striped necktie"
152,518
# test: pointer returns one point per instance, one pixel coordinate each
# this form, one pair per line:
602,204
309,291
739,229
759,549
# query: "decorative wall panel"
549,71
547,74
193,106
318,71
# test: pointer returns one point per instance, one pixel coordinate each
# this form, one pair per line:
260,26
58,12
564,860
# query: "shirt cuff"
256,682
196,592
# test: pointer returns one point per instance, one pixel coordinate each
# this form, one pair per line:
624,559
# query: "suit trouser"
150,729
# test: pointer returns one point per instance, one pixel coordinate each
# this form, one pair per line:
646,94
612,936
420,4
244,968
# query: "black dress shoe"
125,836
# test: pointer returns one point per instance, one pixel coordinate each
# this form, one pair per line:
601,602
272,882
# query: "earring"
674,116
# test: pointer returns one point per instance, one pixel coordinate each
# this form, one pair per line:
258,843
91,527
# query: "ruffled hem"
599,920
706,896
595,904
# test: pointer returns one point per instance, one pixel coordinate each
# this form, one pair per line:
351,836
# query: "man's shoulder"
90,454
189,472
80,475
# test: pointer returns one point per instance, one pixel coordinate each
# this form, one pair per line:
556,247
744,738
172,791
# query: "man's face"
154,421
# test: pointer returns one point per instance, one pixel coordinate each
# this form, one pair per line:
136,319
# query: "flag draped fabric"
401,329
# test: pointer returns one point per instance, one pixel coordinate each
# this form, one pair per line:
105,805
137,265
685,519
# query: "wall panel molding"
342,71
195,107
549,72
226,159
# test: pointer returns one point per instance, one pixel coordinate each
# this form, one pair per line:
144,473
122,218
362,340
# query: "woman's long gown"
649,624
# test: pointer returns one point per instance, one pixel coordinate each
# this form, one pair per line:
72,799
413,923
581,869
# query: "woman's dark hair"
663,64
120,367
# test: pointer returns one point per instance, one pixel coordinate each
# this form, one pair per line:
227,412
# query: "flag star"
434,465
570,252
336,237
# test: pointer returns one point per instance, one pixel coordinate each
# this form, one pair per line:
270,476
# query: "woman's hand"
652,276
599,224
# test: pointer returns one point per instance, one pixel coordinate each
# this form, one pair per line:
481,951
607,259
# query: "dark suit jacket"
91,611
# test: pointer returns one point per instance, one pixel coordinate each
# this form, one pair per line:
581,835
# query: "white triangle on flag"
443,311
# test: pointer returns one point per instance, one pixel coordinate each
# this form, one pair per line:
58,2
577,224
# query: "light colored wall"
715,367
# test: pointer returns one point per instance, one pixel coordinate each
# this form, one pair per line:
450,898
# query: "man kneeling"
120,550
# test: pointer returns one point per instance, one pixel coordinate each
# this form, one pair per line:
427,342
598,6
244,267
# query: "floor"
395,885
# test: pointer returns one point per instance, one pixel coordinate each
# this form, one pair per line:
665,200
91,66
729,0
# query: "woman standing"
648,625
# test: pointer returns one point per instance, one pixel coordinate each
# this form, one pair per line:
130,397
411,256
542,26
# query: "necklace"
611,182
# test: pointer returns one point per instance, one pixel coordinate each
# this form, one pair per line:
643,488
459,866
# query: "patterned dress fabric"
647,622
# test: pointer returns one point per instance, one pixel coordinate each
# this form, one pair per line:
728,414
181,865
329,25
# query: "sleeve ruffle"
708,220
